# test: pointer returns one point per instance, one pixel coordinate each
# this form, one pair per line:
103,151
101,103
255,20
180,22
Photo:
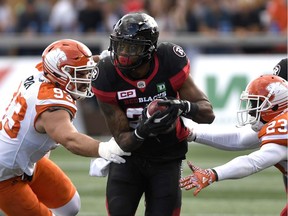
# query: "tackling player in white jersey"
266,98
37,120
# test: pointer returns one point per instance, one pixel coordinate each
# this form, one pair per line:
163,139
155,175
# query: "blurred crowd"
210,17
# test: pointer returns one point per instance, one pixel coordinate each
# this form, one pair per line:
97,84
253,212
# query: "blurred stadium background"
228,44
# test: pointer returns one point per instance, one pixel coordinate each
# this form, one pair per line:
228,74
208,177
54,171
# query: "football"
153,107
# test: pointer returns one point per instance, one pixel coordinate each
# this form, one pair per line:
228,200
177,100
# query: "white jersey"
272,152
20,144
271,140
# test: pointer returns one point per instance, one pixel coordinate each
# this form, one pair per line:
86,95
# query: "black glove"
157,123
183,107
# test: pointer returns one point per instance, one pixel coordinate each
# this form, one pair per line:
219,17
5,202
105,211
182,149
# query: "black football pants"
158,181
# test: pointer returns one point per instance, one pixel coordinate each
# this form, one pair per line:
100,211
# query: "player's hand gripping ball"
153,107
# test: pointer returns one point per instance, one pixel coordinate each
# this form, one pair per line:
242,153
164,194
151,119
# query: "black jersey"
169,69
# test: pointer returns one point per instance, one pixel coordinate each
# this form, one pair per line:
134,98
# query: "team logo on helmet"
277,69
179,51
95,73
57,55
277,87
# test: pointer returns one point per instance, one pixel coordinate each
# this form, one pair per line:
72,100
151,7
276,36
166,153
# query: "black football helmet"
281,69
133,41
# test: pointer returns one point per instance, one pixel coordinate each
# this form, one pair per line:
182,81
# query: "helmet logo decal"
141,84
95,73
276,87
59,56
276,69
179,51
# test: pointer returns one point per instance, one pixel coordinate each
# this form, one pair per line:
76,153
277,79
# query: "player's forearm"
226,139
205,114
237,168
81,144
128,141
242,166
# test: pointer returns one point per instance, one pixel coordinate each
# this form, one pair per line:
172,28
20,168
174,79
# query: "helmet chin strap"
77,97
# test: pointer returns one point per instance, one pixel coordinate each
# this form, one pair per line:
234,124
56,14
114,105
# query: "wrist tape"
137,136
192,110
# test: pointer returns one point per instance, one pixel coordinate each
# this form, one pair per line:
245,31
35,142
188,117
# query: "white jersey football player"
266,100
38,119
237,138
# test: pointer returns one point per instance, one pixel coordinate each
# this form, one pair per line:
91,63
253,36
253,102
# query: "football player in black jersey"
137,71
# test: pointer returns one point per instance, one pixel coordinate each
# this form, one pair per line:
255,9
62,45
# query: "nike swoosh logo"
204,180
158,120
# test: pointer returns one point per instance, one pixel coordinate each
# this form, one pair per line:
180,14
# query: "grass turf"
260,194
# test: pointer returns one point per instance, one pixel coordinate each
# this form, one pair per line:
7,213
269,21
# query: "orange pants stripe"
49,188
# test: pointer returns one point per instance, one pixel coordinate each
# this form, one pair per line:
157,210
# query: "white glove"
99,167
111,151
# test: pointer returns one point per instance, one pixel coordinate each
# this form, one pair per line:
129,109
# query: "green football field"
261,194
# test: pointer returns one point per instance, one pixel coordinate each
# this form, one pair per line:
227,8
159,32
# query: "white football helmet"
69,64
264,98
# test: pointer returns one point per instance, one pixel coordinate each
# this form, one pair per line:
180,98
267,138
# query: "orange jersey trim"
49,96
275,131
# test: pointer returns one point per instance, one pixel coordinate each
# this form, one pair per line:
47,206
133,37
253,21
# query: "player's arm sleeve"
232,140
242,166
